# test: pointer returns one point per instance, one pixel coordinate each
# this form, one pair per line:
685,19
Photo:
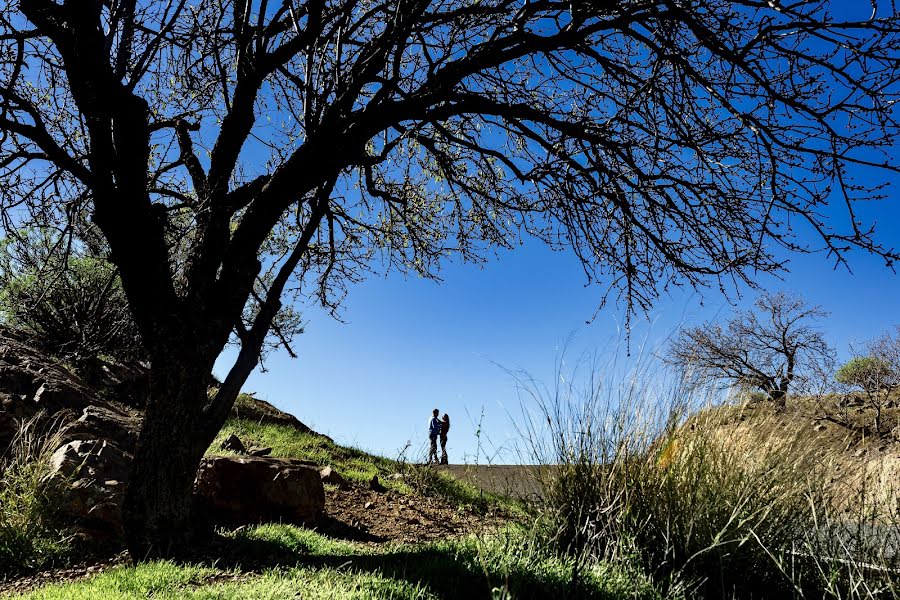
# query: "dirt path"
515,481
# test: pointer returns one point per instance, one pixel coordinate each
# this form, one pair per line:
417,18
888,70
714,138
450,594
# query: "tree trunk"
779,394
157,508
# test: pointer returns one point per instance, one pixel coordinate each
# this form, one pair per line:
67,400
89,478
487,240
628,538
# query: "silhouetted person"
434,430
445,427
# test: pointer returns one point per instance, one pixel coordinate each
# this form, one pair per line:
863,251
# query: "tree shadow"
447,574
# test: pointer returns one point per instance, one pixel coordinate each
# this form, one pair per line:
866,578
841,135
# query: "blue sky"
408,345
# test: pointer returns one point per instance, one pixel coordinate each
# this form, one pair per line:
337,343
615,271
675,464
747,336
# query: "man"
434,430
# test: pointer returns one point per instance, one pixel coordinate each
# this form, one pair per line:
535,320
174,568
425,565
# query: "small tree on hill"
874,374
769,347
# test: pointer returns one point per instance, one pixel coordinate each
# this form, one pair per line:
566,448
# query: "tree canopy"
234,151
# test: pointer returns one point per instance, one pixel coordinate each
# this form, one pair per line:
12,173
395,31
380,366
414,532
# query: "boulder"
237,490
90,476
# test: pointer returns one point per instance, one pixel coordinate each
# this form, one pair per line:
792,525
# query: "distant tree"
237,153
886,347
67,299
769,347
876,374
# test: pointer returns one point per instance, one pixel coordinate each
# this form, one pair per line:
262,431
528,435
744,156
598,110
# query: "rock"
367,505
396,476
234,443
91,476
106,422
375,485
258,451
242,490
859,453
329,475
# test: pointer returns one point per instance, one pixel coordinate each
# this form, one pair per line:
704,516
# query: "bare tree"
237,152
769,347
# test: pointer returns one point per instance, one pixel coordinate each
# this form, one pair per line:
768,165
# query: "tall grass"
712,502
29,539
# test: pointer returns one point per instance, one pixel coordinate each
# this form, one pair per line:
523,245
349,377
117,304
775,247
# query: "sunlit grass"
309,565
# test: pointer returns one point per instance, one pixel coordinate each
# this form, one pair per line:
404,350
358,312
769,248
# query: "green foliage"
28,538
507,562
68,300
870,373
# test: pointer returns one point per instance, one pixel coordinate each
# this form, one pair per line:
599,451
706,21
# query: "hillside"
387,528
859,466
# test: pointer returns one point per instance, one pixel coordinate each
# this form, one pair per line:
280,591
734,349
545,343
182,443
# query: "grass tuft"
29,540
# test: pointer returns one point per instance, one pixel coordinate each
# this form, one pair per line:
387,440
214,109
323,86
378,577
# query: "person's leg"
444,450
432,452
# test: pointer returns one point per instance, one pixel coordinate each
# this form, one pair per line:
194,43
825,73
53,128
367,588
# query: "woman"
445,427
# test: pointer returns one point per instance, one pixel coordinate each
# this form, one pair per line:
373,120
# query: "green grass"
287,442
29,537
305,564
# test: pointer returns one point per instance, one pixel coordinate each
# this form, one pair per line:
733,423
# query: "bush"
29,540
70,303
713,506
876,377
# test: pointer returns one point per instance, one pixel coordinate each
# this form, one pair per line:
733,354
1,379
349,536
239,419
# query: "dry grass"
29,540
713,502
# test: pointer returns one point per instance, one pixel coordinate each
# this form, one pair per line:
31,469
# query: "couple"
438,427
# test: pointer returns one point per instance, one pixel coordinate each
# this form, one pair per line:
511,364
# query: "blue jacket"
434,427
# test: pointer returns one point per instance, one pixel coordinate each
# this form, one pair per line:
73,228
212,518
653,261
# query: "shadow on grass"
448,571
340,530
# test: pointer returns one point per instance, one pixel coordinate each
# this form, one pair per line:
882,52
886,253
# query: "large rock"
90,476
106,421
248,489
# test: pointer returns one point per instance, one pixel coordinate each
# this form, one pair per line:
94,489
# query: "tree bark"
157,509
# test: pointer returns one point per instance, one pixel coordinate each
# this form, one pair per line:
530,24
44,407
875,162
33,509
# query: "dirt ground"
521,482
368,516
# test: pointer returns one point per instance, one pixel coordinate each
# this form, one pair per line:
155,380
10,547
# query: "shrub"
876,377
70,303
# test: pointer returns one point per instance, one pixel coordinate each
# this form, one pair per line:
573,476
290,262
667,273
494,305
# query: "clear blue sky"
408,345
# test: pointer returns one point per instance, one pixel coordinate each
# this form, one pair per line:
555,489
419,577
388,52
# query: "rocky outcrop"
100,411
32,384
248,489
90,478
107,421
